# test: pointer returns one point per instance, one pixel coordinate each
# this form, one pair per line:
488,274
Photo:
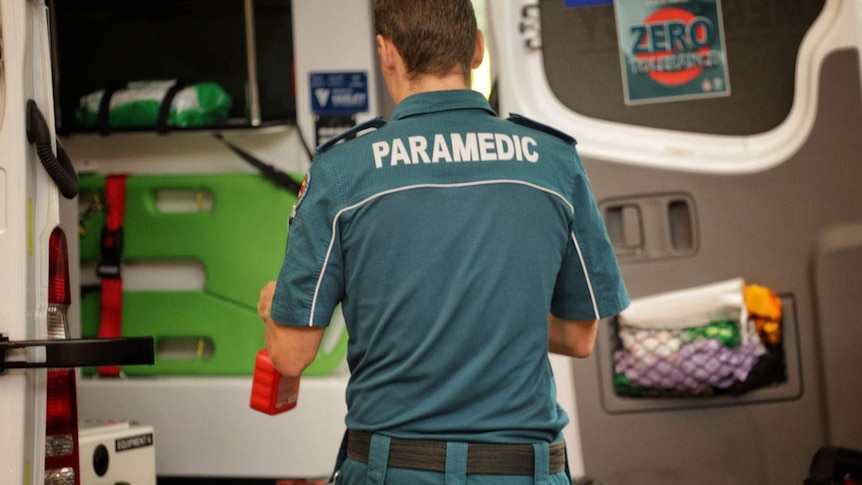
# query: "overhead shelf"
244,46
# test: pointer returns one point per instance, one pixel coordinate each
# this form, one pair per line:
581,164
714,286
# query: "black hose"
58,167
280,178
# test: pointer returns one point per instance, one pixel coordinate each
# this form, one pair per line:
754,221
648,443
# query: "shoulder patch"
299,196
351,133
524,121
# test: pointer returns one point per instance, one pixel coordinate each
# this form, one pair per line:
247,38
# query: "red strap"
115,198
112,286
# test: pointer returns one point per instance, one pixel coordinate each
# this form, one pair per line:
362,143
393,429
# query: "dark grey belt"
482,458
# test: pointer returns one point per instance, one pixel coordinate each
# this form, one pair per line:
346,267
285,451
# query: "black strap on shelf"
105,106
165,107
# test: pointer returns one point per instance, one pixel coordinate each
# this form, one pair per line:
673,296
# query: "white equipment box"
116,452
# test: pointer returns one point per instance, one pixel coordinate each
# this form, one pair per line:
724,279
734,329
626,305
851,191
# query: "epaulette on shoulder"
351,133
524,121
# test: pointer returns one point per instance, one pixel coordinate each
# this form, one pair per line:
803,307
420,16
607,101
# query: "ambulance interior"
703,195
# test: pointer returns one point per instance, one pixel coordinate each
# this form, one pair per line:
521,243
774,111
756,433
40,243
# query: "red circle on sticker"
698,32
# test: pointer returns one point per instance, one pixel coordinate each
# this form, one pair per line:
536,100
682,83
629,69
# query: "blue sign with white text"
671,50
339,93
585,3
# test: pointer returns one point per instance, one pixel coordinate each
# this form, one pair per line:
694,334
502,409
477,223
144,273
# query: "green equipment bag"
138,105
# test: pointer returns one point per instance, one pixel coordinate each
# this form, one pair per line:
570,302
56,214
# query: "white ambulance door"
34,266
28,214
760,182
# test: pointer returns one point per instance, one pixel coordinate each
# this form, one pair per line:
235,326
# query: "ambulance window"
102,43
582,64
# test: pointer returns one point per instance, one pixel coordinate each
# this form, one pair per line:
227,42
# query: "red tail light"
58,269
61,417
61,429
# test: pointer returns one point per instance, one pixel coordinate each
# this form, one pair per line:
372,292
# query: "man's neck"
429,83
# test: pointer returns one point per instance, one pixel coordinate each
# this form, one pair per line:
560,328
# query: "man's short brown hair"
433,36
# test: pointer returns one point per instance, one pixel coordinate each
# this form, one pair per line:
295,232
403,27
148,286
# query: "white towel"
691,307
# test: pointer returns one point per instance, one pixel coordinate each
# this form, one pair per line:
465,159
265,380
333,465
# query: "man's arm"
291,349
574,338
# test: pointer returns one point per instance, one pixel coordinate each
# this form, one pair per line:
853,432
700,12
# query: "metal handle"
82,352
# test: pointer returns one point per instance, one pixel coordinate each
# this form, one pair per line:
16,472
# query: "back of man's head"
434,37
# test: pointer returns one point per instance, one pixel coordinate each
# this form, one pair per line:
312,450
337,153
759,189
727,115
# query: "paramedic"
462,248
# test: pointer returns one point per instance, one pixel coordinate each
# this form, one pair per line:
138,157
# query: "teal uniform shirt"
448,235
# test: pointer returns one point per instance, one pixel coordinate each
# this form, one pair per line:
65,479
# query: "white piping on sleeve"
586,276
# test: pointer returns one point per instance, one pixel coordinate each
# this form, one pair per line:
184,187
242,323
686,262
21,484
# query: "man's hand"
290,348
264,305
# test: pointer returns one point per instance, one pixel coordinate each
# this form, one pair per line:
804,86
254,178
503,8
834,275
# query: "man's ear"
479,53
387,52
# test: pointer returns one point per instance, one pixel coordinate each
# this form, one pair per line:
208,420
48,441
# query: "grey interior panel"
651,226
838,282
768,227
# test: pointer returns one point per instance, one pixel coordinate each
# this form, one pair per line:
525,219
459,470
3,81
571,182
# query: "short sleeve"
310,282
589,285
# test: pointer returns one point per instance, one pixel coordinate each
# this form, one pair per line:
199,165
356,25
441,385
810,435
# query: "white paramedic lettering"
455,147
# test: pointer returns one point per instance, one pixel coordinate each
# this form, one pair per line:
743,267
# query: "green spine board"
240,243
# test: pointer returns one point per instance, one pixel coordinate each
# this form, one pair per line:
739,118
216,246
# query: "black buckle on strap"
111,253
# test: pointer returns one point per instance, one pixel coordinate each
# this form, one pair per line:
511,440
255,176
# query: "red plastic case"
271,392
